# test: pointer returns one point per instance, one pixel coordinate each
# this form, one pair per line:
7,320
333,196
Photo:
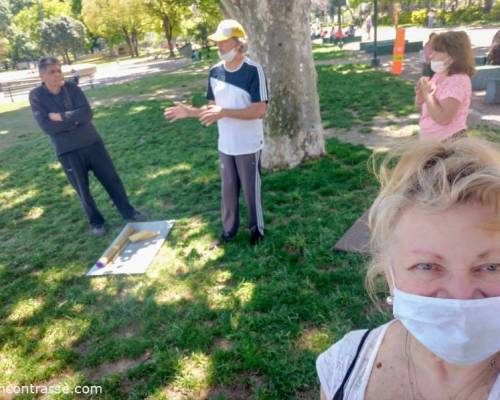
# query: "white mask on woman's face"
460,332
228,56
438,66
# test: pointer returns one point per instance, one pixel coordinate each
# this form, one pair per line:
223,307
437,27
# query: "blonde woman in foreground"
436,245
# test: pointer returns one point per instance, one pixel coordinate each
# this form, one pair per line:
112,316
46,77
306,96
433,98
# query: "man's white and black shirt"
238,89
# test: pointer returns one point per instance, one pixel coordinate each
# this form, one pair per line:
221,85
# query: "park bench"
22,87
484,74
368,46
385,47
480,60
493,92
347,39
413,47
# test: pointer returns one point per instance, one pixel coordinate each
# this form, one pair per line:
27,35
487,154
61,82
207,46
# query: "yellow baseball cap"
228,29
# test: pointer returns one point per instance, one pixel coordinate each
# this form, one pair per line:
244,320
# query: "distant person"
431,18
493,57
444,99
351,31
237,94
368,25
62,111
339,34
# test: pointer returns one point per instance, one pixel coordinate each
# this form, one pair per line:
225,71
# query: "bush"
385,20
405,17
419,17
495,12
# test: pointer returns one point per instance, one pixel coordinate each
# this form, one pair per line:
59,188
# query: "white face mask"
438,66
229,56
462,332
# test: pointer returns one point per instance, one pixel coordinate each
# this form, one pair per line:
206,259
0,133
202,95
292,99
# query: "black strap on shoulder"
339,394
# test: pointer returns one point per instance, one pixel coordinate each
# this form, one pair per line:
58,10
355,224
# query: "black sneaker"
97,230
137,216
255,237
223,239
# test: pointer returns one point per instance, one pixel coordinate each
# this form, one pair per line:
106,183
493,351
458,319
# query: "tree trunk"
135,44
66,58
278,35
488,4
129,42
168,34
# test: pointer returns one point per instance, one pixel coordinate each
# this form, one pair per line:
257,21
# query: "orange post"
399,52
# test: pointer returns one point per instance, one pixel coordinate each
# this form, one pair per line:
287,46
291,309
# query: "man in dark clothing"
62,111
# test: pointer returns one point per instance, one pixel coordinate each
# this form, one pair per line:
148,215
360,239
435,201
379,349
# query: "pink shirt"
457,86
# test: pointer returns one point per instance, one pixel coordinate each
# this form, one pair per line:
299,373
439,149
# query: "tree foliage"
5,16
117,19
171,14
63,35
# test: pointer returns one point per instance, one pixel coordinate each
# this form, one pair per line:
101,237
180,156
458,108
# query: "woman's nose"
460,288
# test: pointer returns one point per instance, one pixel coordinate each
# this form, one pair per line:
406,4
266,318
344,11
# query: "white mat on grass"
136,257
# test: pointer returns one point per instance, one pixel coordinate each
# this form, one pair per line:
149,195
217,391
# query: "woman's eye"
424,267
492,267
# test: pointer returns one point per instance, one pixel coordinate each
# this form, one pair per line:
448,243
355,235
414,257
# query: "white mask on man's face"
462,332
228,56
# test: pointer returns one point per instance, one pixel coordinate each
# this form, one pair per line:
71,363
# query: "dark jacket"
76,130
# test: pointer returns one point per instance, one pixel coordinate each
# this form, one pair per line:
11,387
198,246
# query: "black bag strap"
339,394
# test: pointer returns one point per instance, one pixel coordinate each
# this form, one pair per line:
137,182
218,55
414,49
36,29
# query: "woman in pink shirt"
444,99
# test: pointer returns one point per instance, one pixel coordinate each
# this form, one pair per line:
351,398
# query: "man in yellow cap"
237,94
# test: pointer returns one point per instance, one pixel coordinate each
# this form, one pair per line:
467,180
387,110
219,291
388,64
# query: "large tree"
206,16
64,35
171,13
112,19
279,39
5,16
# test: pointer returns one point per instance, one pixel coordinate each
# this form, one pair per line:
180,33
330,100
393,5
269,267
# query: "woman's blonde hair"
435,176
458,46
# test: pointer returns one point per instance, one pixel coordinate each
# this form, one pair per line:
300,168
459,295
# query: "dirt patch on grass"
116,367
183,92
386,133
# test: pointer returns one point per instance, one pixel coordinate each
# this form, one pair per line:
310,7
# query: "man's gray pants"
241,171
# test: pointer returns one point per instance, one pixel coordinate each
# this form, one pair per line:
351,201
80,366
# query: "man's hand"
179,111
55,117
211,114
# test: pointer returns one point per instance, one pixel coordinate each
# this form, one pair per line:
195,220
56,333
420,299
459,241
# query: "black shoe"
255,237
137,216
97,230
223,239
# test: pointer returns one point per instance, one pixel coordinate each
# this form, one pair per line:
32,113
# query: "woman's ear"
386,262
388,279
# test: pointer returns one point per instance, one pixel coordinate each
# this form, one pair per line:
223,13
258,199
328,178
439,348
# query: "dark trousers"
241,171
95,158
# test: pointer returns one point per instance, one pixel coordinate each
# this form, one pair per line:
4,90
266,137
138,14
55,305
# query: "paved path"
109,73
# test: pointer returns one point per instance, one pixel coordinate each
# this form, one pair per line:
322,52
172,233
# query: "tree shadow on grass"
234,322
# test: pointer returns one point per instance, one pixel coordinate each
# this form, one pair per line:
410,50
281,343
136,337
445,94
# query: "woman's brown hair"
457,45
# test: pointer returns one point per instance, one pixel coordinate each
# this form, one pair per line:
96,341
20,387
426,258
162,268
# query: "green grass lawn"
352,94
232,320
327,52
